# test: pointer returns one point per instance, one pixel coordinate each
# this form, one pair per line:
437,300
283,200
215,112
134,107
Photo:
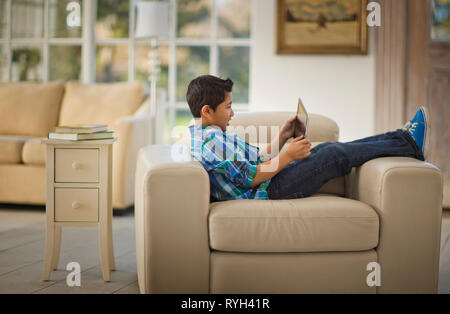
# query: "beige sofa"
387,211
29,111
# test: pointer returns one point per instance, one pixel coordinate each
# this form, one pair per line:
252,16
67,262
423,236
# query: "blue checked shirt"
231,163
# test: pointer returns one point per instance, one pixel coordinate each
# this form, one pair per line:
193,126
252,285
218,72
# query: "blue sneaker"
419,129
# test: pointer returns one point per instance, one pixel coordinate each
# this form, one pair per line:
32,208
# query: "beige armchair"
387,211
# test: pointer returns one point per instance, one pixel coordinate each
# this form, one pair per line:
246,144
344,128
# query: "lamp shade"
152,19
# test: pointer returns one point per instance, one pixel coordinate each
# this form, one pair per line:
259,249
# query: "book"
302,116
81,136
82,128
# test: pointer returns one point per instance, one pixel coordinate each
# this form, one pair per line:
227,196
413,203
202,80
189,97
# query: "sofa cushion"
320,223
11,149
99,103
33,152
29,109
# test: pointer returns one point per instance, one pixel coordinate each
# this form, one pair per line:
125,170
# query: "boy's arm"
273,149
280,161
299,148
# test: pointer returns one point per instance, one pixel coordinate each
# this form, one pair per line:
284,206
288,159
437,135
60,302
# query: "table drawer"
76,165
76,204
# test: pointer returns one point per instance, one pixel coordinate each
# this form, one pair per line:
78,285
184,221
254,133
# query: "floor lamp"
153,23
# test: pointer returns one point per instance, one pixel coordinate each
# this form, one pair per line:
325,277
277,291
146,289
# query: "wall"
340,87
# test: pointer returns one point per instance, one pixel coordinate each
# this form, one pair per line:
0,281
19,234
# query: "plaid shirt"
231,163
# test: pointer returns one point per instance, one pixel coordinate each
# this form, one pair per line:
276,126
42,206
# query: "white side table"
79,193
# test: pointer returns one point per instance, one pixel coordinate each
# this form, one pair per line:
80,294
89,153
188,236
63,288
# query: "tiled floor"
22,238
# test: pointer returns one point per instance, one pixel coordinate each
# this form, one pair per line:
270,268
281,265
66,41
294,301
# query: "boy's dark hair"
207,90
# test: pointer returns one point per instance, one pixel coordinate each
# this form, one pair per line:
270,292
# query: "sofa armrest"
407,195
171,212
132,133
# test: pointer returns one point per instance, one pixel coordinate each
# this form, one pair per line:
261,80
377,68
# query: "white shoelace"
410,127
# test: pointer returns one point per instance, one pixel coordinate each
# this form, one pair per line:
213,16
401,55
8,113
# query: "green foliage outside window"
28,60
192,14
114,14
65,63
441,20
2,18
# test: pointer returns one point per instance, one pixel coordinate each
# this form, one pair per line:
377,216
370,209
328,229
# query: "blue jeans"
327,161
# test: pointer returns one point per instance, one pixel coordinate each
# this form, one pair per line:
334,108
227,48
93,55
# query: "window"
206,36
35,42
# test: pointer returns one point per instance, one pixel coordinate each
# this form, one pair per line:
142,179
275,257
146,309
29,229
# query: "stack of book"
81,132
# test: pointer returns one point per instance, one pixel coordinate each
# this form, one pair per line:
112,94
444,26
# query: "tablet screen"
302,115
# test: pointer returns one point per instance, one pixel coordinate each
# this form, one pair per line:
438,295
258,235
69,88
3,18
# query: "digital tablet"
302,114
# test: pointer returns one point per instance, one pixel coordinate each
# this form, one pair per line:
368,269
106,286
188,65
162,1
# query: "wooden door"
413,70
428,83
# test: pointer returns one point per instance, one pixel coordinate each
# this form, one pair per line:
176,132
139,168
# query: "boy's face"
221,116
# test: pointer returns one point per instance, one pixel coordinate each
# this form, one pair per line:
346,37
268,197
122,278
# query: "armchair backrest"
321,128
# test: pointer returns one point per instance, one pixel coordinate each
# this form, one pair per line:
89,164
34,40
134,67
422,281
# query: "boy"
237,170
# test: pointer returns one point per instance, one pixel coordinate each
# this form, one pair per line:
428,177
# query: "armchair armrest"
407,195
171,212
132,132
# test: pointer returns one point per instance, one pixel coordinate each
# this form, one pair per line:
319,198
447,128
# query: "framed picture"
321,27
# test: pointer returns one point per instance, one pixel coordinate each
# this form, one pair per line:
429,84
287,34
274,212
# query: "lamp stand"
154,70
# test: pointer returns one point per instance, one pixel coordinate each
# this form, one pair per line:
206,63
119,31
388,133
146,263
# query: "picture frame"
321,27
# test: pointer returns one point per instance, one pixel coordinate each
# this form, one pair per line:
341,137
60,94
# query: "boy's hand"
300,148
300,127
288,128
293,127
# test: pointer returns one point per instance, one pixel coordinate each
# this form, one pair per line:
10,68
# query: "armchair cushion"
29,109
99,103
321,223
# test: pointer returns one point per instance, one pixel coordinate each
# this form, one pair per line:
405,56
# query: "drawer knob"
75,165
75,205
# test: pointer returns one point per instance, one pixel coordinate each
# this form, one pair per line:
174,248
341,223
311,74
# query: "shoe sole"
426,143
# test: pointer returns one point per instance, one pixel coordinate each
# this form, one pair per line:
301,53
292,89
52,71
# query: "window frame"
172,42
6,41
43,43
89,43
